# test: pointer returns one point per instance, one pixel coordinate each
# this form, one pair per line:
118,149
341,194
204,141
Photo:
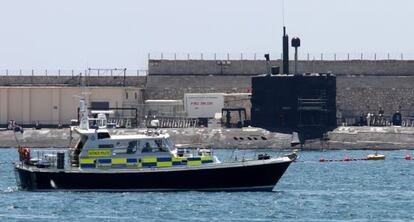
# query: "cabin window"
103,135
154,146
106,146
132,147
81,142
161,146
168,143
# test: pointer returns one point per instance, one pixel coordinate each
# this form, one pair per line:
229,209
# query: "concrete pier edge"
348,138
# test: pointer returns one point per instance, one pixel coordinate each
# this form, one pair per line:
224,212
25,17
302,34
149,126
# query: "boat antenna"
83,105
16,128
15,138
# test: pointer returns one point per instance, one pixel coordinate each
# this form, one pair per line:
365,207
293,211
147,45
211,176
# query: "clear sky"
76,34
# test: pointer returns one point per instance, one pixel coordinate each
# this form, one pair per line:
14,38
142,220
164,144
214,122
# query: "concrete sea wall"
355,94
174,87
362,85
255,67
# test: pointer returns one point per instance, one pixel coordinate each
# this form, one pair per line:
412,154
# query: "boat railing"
46,158
244,155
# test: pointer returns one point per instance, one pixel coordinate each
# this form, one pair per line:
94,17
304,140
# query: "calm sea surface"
309,191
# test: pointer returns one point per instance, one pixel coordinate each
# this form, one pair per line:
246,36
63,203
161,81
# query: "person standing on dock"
368,119
361,119
380,112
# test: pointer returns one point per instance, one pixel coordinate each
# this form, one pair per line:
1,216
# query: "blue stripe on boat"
87,165
163,159
131,160
104,160
149,164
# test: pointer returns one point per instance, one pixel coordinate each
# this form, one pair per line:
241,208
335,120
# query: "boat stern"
25,179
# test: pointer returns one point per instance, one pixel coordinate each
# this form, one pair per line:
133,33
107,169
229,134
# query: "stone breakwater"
246,138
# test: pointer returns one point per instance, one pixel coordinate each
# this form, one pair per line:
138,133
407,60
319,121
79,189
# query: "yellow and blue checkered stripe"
143,162
161,161
117,162
206,159
174,161
87,162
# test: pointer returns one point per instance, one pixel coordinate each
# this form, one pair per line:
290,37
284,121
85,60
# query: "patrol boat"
142,162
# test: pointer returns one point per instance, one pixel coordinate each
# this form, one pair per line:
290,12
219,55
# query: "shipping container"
203,105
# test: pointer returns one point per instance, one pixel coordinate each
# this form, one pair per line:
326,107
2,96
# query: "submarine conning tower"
303,102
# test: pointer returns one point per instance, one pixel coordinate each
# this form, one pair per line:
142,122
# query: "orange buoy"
322,160
408,157
347,159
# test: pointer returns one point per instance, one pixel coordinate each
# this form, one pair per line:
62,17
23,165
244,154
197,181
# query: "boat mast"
83,106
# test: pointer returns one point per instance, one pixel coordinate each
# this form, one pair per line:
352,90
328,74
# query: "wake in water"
11,189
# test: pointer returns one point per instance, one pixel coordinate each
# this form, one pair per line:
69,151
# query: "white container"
203,105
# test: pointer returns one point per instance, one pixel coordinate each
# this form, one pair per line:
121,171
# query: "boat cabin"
96,148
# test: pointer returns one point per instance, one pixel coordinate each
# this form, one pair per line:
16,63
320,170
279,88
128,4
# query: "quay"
355,138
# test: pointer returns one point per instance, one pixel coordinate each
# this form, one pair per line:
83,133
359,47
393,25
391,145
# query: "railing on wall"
304,56
73,72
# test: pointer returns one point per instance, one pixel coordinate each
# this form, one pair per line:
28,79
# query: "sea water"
309,191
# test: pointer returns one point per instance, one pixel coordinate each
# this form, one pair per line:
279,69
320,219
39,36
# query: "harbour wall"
355,94
362,85
256,67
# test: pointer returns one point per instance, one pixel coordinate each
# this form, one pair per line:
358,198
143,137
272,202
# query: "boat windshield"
169,143
81,142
